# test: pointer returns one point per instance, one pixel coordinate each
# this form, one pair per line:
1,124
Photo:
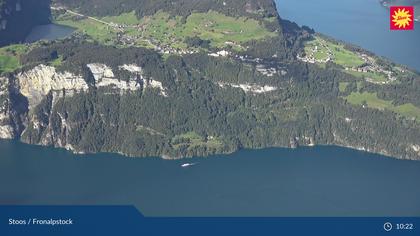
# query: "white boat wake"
188,165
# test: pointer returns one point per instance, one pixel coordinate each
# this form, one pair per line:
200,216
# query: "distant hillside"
176,7
253,28
415,3
17,17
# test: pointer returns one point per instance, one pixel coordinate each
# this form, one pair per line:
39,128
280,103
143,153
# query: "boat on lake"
188,165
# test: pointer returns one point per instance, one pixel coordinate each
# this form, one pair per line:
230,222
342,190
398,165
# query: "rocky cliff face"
37,83
44,86
6,130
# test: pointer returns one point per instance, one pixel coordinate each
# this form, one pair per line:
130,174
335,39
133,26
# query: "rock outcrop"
43,81
6,130
147,83
35,84
104,77
250,88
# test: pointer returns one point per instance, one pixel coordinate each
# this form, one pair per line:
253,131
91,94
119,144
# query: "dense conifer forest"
213,104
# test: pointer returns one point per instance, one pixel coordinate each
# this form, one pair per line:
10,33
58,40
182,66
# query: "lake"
320,181
48,32
361,22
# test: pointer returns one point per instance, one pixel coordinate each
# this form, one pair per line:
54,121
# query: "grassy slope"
345,57
193,140
125,18
9,57
342,86
341,56
220,28
374,76
168,30
372,100
100,32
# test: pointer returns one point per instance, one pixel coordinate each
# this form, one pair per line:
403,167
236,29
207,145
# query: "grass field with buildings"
164,30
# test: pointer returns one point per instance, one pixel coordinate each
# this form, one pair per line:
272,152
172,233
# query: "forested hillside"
176,7
193,78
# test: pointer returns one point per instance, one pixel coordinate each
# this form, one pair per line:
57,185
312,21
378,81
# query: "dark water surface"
360,22
321,181
48,32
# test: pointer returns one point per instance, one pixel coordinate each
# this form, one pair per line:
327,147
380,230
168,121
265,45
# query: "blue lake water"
321,181
361,22
48,32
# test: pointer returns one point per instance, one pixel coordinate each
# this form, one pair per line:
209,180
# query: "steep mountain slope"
202,77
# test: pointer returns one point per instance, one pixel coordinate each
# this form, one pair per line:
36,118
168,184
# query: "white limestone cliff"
100,71
35,84
416,148
105,77
6,130
250,88
133,68
147,83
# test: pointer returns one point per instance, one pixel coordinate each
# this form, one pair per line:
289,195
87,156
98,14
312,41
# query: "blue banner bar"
126,220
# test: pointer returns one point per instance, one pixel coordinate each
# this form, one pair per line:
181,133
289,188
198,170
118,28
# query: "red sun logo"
402,18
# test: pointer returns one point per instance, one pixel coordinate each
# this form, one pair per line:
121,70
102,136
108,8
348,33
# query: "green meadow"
192,140
321,48
9,57
376,77
342,86
372,101
96,30
172,31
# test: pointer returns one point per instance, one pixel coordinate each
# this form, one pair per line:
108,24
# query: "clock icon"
387,227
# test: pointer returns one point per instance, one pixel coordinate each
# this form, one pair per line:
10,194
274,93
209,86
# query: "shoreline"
166,157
